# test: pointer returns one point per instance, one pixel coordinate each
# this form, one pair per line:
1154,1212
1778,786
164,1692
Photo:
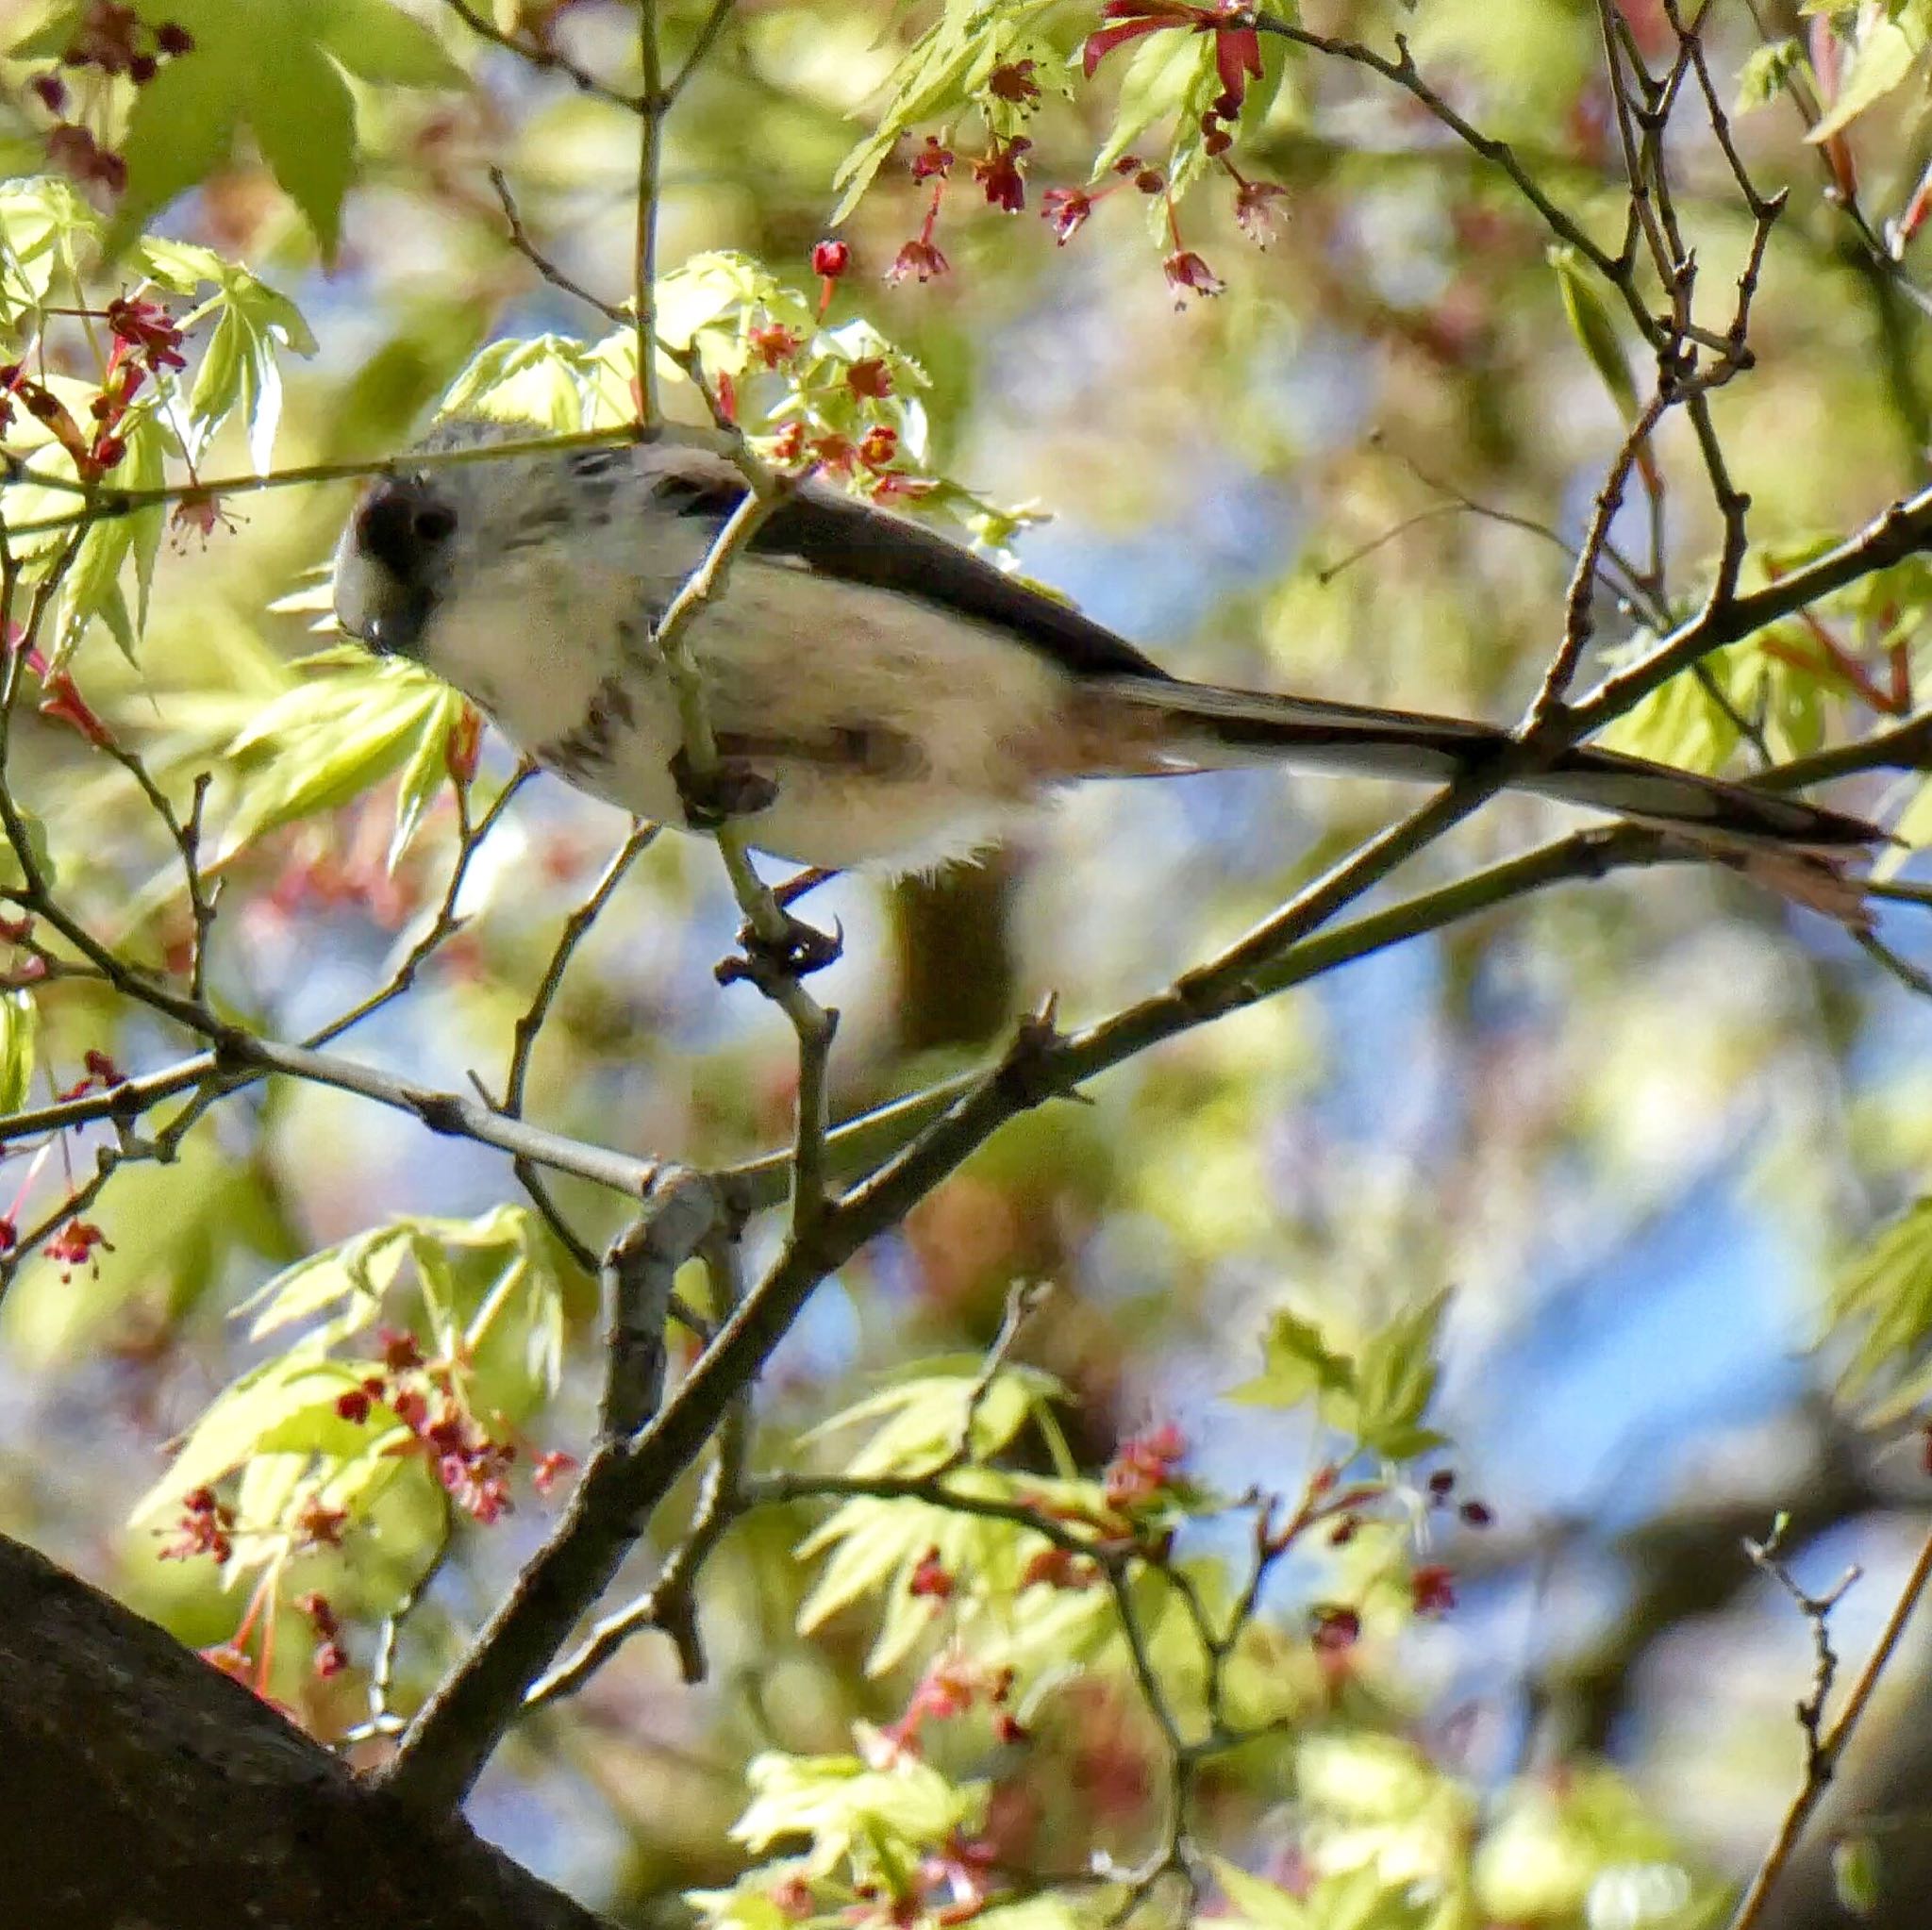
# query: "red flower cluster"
77,1244
1186,274
1336,1630
1059,1567
111,39
145,342
1013,82
1432,1590
98,1069
1144,1466
331,1658
207,1527
998,173
829,261
772,344
931,1578
952,1687
115,40
472,1465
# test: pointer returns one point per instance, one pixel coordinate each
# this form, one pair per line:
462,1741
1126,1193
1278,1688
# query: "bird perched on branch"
880,698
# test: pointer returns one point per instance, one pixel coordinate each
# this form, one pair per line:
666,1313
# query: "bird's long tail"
1206,725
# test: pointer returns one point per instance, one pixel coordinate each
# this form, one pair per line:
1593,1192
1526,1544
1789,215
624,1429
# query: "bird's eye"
434,523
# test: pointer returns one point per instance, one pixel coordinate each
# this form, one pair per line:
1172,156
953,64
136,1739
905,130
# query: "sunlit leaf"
274,67
1882,58
1590,322
854,1815
19,1027
287,1406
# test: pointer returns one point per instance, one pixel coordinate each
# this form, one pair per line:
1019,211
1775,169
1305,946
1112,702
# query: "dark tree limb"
143,1787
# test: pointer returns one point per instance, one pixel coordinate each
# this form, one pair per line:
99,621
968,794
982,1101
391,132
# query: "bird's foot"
735,788
772,962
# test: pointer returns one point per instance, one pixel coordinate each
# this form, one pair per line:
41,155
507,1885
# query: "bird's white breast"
785,656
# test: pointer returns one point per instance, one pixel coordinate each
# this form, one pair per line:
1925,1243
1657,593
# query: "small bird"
881,697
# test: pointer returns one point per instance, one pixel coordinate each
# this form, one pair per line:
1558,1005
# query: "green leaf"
93,585
286,1405
1298,1365
855,1815
304,118
354,1275
924,1417
179,132
51,38
1378,1399
1590,322
1882,60
940,73
254,325
424,776
1167,73
379,43
40,219
1264,1904
1884,1297
330,739
276,68
1857,1874
20,1023
1395,1381
544,380
1766,73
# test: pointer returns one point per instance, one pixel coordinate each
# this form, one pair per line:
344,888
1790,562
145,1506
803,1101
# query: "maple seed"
171,38
932,159
1432,1590
1067,209
869,378
1336,1630
1013,82
998,173
930,1577
1186,274
918,258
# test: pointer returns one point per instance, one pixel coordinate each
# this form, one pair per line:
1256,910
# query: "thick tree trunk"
141,1789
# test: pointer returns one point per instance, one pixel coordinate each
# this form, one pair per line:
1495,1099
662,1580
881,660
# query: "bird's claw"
734,788
771,962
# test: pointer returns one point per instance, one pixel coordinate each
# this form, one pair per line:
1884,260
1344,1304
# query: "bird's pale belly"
903,737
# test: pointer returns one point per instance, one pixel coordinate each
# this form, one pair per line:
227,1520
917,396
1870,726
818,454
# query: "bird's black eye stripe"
699,496
435,523
586,464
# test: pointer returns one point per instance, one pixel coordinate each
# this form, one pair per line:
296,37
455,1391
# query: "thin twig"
1824,1753
544,59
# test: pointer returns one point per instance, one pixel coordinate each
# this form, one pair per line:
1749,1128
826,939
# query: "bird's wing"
838,537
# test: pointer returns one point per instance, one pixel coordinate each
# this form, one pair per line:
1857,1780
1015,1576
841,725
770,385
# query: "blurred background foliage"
1641,1129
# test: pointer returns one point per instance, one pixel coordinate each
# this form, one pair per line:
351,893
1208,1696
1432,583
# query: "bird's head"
417,535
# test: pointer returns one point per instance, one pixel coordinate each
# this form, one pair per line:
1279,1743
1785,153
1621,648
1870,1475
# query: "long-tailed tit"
883,697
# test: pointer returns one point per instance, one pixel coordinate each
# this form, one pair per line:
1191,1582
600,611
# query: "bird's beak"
372,602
